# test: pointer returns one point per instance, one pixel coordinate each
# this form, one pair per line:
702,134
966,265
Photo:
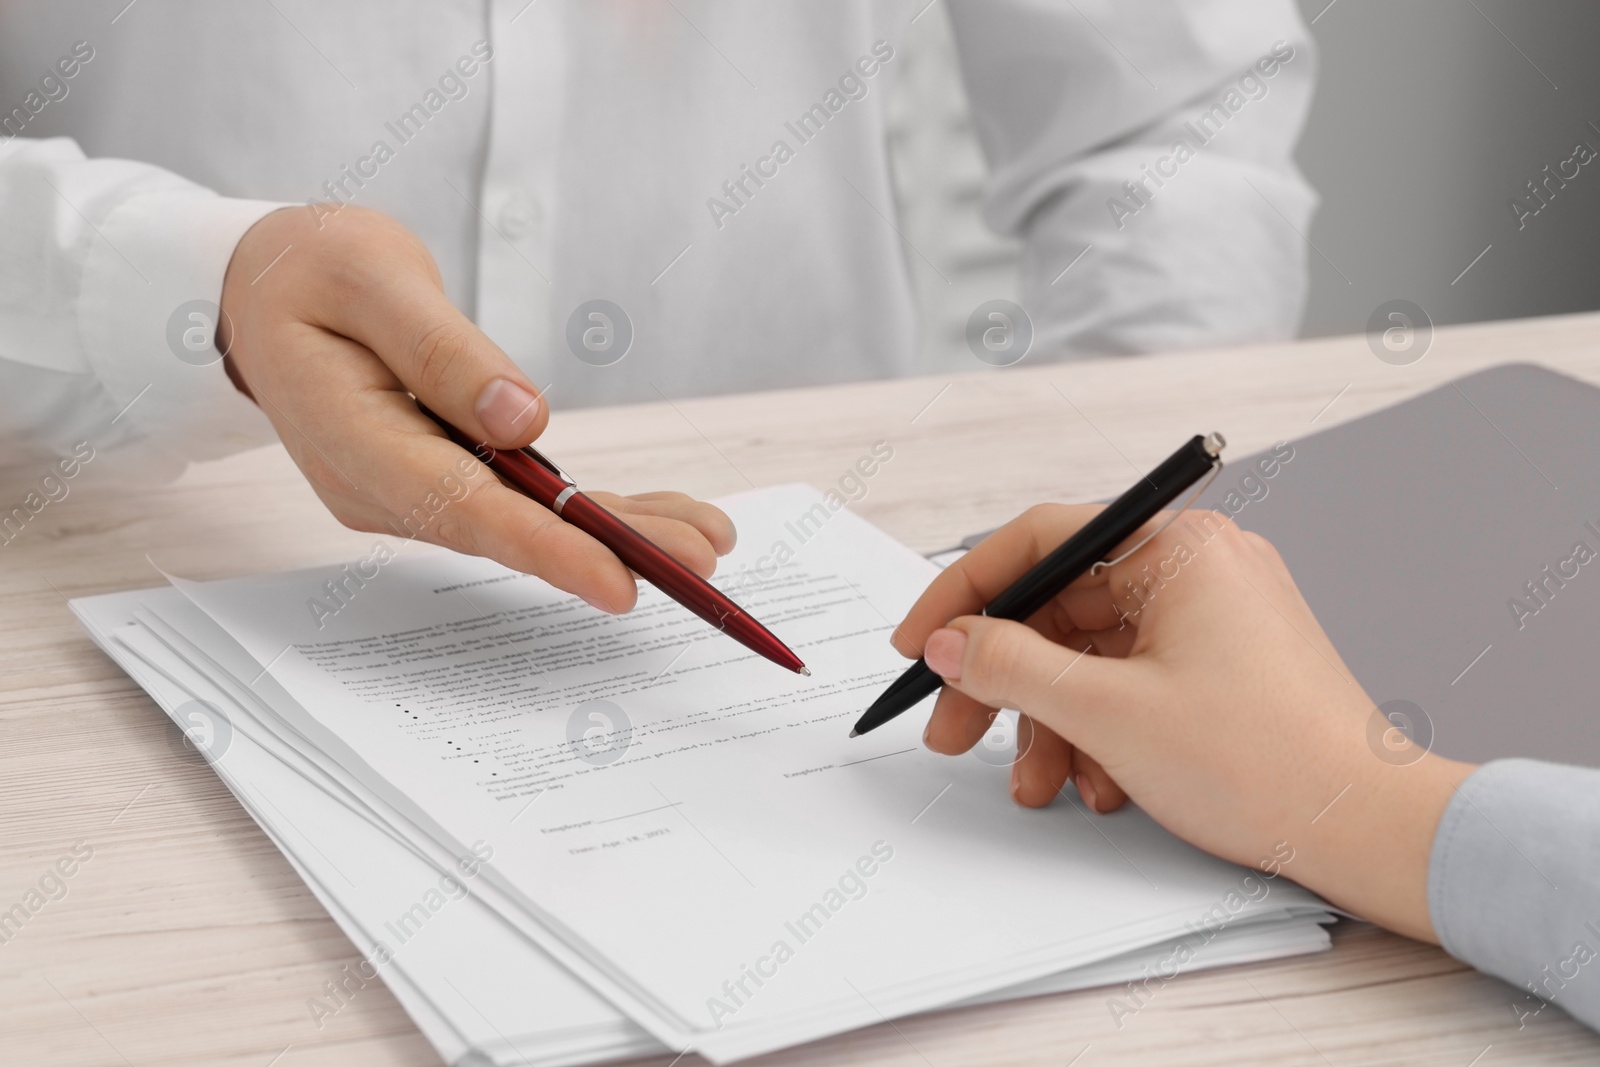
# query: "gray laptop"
1450,546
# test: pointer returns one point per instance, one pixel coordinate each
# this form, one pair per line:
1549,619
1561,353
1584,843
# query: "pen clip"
1216,469
543,461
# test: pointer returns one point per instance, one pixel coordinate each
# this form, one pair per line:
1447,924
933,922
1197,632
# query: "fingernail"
926,730
506,410
599,605
1086,791
943,653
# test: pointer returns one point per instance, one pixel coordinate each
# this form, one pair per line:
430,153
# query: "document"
479,989
687,827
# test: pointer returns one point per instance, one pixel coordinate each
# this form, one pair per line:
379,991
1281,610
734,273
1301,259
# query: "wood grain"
187,940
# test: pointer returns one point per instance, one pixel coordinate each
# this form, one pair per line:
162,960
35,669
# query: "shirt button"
521,215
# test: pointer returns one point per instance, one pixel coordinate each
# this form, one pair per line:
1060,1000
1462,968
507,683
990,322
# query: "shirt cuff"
1514,880
147,313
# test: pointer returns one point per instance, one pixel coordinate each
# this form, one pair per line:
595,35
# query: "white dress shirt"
553,153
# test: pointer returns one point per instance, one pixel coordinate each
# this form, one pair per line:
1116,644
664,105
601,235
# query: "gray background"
1427,120
1429,116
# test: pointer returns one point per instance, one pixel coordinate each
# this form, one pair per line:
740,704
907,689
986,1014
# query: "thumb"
450,364
455,369
1007,664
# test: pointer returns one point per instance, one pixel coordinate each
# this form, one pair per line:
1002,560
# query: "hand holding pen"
529,472
333,340
1086,551
1193,679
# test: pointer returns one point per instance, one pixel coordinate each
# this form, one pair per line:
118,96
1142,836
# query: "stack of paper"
561,837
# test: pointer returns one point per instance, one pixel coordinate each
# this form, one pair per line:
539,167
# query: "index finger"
968,584
484,517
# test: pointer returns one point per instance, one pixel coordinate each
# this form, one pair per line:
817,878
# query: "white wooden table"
187,940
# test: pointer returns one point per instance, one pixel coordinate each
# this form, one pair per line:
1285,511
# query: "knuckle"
356,520
1241,543
1038,522
1263,545
364,224
535,548
440,352
343,234
358,250
1042,514
454,531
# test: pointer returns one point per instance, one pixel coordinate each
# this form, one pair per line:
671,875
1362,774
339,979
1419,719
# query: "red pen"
531,474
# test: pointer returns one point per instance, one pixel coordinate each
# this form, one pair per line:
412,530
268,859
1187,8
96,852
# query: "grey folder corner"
1450,546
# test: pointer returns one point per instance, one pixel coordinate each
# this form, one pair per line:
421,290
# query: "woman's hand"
331,324
1193,679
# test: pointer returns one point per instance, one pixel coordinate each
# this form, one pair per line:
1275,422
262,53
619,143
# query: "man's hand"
330,340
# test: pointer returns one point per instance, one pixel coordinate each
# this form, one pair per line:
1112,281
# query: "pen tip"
855,733
806,671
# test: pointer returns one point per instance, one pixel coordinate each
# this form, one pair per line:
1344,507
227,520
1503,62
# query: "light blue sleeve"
1514,881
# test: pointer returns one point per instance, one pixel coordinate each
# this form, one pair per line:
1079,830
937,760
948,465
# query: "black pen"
1078,554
